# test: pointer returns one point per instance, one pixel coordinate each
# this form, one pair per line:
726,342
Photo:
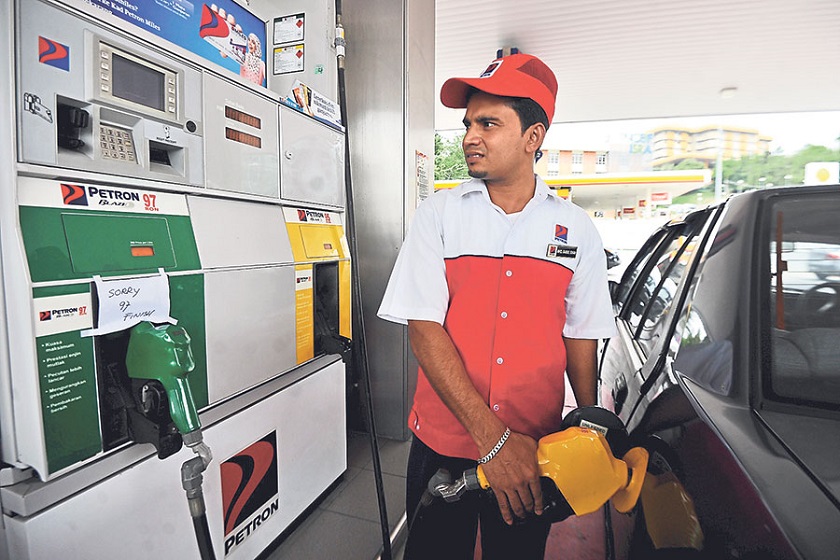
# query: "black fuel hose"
358,343
609,538
202,535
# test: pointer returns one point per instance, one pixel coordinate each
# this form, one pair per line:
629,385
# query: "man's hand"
514,477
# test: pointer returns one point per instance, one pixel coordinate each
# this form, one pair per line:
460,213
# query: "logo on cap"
491,69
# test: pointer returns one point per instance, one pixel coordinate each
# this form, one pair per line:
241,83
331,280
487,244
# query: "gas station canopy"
617,191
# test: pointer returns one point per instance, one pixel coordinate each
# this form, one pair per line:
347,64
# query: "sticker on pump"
250,490
58,314
306,216
46,193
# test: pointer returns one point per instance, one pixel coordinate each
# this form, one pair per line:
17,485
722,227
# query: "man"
503,287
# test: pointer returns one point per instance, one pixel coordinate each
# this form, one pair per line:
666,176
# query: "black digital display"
138,83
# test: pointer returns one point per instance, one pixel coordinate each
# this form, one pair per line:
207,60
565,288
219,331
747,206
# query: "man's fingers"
527,501
516,505
536,492
504,507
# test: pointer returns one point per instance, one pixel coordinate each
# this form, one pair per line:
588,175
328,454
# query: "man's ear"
535,136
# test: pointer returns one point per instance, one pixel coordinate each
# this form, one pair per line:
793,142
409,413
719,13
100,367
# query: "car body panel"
762,469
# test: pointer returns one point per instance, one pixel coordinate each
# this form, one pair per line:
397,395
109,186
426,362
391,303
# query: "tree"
758,171
449,159
687,164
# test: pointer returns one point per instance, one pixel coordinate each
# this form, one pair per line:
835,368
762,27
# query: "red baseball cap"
515,75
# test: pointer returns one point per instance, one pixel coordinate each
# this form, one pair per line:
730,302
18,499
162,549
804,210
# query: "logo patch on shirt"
561,233
561,251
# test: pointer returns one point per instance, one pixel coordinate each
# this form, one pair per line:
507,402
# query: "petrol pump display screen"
138,83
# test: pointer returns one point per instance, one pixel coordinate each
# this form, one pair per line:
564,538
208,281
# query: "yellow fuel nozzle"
582,466
580,463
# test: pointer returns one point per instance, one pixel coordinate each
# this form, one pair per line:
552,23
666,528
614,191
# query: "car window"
803,293
637,266
653,321
651,299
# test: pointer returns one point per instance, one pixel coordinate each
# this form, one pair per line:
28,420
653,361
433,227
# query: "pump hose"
359,344
191,481
202,534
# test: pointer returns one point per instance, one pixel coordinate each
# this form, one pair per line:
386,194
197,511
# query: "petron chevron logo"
211,24
73,195
53,54
561,233
249,490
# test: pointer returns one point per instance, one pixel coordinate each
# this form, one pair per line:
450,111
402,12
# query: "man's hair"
530,113
528,110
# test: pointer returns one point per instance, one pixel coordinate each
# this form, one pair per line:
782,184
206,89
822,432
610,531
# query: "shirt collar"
541,192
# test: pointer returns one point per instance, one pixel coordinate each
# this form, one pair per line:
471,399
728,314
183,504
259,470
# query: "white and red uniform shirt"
506,289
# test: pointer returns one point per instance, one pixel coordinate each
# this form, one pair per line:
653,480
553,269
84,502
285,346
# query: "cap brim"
455,91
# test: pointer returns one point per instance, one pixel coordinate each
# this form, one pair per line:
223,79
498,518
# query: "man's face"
494,145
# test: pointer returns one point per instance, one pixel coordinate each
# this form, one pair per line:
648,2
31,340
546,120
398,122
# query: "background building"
672,145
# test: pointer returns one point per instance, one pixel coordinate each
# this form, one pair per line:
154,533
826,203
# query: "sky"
790,131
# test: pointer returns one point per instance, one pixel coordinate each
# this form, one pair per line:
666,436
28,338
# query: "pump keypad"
116,143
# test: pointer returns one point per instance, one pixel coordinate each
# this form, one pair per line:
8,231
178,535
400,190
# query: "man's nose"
471,137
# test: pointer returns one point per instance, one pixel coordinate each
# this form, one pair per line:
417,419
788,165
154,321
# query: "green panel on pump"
66,374
131,244
64,245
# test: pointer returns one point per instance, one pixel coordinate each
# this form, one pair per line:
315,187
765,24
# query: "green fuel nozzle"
163,353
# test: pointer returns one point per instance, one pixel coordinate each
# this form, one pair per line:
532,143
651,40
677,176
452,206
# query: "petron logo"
561,233
249,490
211,25
314,216
53,54
73,195
50,314
87,196
491,69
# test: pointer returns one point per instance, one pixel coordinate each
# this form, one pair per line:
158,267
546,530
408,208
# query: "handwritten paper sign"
125,303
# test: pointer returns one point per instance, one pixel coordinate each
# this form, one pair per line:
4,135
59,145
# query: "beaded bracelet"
496,449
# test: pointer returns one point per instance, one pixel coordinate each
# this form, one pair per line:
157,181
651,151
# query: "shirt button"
499,361
504,314
508,273
496,407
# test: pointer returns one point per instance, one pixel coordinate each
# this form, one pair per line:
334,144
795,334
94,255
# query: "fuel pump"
159,358
135,139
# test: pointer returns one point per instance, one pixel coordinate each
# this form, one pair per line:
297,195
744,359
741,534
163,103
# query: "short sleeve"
417,289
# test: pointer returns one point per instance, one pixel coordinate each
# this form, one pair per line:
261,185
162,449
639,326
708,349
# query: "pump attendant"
504,287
